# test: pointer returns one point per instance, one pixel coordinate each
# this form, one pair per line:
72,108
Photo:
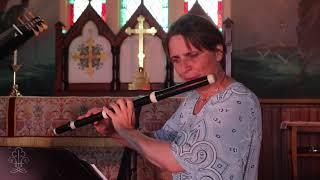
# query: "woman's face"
190,62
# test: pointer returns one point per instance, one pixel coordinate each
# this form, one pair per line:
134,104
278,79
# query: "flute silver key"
153,97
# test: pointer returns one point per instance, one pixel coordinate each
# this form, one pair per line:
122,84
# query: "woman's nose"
186,65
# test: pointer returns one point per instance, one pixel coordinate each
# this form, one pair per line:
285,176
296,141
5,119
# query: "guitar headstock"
31,23
27,27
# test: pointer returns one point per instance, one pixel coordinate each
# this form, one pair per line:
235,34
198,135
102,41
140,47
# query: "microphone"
153,97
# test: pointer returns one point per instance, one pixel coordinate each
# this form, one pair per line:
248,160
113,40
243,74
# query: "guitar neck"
11,39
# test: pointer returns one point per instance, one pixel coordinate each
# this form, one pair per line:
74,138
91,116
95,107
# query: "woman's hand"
123,117
104,126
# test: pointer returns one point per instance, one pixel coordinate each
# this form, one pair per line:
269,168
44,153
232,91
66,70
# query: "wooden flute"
153,97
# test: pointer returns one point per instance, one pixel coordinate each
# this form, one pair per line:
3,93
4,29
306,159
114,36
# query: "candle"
15,54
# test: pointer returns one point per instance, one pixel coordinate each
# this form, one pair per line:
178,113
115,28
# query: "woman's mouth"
191,78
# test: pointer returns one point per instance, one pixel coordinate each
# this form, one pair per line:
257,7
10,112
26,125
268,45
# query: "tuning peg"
36,33
38,25
26,17
43,25
31,14
20,20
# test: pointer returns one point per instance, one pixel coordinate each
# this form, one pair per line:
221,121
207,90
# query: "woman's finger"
93,111
110,113
129,104
122,104
115,108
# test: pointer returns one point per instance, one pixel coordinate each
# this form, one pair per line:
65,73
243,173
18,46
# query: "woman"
216,131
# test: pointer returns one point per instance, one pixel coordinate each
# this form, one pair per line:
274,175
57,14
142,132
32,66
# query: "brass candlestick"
140,81
14,89
15,68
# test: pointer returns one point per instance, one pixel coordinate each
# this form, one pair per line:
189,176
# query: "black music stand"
129,161
24,163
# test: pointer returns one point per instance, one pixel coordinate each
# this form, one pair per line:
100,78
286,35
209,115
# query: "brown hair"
198,31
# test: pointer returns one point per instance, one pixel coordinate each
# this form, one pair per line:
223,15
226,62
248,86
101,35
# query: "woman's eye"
193,54
174,61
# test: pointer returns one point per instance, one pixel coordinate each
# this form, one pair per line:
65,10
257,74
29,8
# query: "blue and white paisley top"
222,141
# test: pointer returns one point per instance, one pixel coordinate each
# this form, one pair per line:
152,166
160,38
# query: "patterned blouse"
222,141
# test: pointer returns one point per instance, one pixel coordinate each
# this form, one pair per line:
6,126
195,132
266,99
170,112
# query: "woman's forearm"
115,136
156,151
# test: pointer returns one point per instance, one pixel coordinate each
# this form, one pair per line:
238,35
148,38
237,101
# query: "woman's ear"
219,52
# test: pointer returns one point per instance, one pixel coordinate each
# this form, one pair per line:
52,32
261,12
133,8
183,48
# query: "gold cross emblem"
89,56
141,80
140,31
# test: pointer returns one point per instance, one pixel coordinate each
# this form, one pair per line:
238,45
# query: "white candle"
14,78
15,54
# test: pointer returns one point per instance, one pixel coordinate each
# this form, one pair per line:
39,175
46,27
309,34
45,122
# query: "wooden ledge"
58,142
290,101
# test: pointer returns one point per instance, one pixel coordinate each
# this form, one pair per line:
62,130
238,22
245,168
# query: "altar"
29,121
